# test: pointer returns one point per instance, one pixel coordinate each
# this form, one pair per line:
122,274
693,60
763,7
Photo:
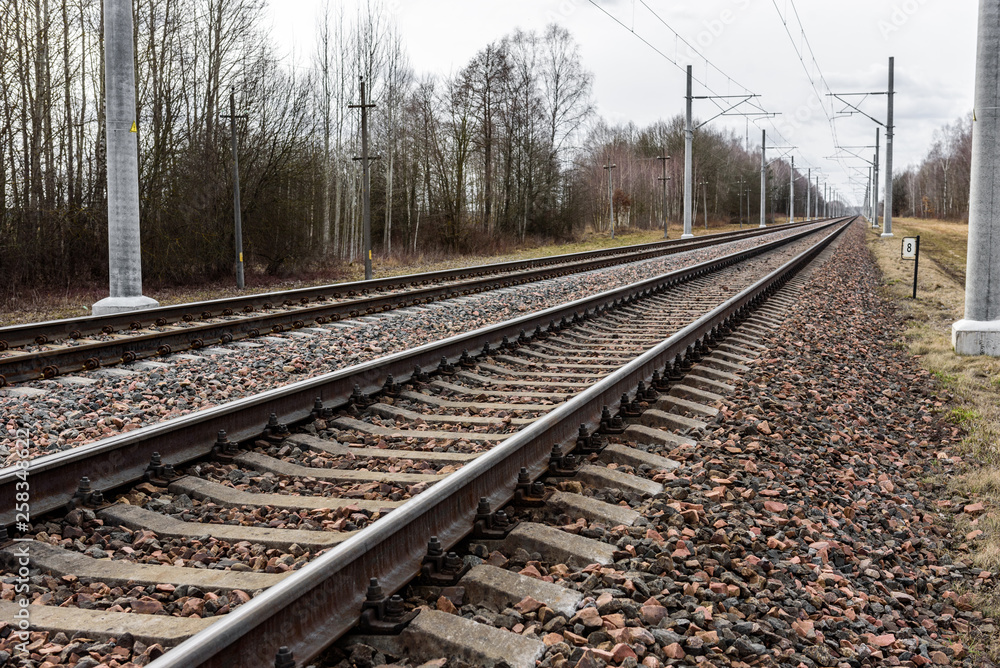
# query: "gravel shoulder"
813,524
839,449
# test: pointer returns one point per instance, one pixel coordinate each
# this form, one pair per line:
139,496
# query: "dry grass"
37,306
974,381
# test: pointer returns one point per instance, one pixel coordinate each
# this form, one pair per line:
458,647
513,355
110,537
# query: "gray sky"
933,42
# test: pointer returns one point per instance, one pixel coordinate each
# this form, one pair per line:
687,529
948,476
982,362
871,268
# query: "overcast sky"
933,42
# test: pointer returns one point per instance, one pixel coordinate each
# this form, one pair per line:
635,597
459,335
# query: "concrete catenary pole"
809,179
124,251
873,196
979,332
791,193
688,148
878,140
739,199
868,196
887,220
763,176
816,205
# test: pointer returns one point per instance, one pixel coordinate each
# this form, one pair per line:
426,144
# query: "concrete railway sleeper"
46,350
292,527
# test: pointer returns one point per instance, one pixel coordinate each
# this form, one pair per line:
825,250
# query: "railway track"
50,349
384,456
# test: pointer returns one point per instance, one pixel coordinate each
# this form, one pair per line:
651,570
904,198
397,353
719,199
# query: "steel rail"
310,609
90,356
123,458
16,336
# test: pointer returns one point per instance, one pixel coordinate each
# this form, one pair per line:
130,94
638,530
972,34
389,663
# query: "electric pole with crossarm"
365,179
663,162
611,199
237,218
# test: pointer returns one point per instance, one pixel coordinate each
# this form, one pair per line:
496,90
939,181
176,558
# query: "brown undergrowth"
51,304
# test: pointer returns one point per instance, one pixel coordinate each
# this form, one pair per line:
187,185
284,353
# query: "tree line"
938,187
506,148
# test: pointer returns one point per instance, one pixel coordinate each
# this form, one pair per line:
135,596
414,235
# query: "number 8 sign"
911,251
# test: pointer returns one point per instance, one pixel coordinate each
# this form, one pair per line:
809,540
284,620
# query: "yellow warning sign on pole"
134,128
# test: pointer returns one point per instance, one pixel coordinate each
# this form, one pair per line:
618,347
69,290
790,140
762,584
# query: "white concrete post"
878,139
809,179
816,208
688,148
124,252
791,193
887,215
979,332
763,175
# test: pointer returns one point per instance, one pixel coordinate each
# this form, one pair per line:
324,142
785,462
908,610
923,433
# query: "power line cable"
800,53
728,77
708,64
674,61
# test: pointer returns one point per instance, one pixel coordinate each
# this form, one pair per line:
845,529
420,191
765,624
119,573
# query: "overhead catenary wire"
710,64
675,61
800,52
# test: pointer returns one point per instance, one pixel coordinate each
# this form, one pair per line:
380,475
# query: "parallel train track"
503,406
50,349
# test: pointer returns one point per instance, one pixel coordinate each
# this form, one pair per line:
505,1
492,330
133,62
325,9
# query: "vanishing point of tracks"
352,473
51,349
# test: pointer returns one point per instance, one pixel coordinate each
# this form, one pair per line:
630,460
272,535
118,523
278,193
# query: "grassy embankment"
974,381
53,304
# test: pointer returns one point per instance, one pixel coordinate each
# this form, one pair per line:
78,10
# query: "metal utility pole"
978,333
124,250
763,176
688,148
887,226
826,201
237,213
704,185
365,179
791,193
663,161
611,199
